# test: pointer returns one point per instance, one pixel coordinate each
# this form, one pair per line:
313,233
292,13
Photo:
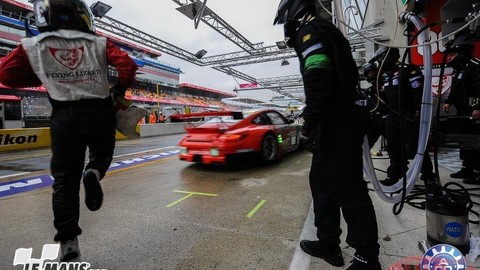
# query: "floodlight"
281,45
200,53
285,63
195,11
99,9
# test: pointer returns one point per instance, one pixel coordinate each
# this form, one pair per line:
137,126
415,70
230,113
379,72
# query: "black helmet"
370,72
290,12
460,50
389,56
52,15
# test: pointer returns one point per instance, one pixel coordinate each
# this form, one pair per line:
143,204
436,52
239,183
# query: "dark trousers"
375,129
397,145
402,148
337,184
470,158
74,128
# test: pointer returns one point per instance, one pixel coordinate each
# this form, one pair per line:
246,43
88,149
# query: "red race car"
266,133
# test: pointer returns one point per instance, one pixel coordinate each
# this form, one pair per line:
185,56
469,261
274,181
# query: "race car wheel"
269,149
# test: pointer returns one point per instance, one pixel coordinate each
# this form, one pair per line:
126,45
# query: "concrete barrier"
29,138
149,130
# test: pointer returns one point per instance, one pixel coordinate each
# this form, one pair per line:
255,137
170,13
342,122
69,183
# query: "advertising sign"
248,85
433,15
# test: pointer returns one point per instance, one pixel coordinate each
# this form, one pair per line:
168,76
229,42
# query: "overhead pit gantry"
251,53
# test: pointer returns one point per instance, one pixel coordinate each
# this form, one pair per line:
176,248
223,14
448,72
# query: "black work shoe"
93,190
359,263
69,250
316,249
463,173
473,179
389,181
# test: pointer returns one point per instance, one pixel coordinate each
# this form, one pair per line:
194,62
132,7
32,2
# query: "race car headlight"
231,137
183,150
214,152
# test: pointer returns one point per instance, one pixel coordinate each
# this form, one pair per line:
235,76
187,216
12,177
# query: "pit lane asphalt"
163,213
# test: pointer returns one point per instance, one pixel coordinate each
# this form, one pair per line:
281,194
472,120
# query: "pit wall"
28,138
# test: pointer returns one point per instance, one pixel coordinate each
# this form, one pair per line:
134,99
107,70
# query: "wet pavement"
163,213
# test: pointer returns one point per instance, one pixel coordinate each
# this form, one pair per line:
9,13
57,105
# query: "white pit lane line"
300,259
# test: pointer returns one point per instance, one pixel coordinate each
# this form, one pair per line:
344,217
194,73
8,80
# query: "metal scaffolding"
251,53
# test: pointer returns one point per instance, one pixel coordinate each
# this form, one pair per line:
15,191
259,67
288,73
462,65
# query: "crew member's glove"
116,91
119,100
307,129
121,103
304,130
306,140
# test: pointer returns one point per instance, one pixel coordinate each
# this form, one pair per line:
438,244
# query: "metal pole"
338,12
198,16
158,99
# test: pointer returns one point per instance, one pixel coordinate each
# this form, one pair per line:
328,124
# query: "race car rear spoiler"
198,116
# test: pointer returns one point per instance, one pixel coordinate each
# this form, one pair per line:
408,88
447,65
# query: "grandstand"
157,86
170,100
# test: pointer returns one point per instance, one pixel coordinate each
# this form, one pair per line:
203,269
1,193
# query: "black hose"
437,115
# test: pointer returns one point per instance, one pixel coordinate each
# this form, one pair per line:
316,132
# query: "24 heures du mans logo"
23,257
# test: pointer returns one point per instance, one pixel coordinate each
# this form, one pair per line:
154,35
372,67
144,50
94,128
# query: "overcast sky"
251,18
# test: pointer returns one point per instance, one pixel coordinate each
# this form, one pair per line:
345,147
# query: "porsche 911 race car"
266,133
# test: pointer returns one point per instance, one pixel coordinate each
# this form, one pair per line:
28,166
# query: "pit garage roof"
201,91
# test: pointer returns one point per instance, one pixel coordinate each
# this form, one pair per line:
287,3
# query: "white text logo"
23,256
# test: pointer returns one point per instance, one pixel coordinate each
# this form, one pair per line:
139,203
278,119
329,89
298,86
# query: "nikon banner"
28,138
24,138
